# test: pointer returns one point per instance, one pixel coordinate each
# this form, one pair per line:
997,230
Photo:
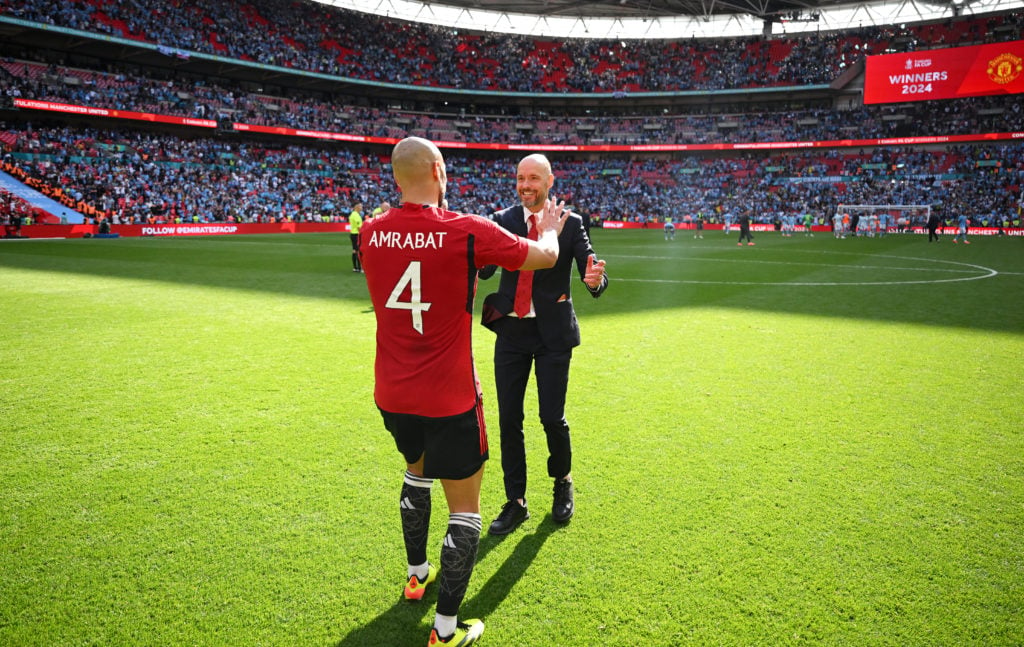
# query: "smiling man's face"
533,182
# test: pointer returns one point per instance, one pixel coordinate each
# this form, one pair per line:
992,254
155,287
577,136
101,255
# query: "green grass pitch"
806,442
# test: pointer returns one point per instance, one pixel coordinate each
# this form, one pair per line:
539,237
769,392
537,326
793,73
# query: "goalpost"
900,217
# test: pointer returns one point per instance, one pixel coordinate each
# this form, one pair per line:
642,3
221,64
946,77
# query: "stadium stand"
205,100
131,172
308,36
150,178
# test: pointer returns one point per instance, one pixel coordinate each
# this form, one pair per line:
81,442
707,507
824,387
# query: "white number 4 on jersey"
415,304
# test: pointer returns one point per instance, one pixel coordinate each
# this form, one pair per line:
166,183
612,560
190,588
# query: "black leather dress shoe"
512,514
563,506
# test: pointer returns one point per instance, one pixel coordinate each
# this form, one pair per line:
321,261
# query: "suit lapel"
516,223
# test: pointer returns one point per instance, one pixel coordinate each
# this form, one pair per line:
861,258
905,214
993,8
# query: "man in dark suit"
535,323
933,226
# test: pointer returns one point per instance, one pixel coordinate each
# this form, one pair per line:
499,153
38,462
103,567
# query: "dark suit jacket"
552,300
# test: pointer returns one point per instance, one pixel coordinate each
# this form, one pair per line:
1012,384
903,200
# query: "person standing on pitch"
744,221
933,226
961,230
808,224
420,262
535,323
355,224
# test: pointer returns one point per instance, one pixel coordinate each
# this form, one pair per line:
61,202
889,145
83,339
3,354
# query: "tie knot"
531,227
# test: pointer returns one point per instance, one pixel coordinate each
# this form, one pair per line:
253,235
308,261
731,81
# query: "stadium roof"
627,19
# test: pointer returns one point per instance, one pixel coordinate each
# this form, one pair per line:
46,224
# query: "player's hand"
553,217
594,273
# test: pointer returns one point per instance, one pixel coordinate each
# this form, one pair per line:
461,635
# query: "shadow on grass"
402,623
879,280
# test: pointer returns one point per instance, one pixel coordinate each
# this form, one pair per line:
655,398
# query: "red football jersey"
420,265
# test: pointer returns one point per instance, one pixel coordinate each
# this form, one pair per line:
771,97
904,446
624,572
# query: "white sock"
421,571
445,625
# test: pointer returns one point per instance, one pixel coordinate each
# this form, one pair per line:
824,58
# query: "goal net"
892,217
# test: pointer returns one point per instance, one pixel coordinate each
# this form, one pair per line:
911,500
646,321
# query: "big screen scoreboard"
978,70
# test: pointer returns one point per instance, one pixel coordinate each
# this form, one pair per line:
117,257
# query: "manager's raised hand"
594,274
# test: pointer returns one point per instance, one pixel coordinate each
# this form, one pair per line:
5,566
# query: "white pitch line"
796,263
987,272
806,283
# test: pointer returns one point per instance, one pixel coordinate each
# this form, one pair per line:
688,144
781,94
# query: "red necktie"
524,288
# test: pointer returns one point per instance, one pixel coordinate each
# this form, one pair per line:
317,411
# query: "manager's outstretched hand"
595,272
553,217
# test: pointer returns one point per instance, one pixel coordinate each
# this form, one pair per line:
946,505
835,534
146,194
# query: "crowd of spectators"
15,212
130,177
133,177
806,182
138,178
313,37
208,100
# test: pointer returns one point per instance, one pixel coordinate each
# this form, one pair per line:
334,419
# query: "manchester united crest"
1005,68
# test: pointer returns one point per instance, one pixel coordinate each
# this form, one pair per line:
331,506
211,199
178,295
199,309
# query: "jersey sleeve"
494,245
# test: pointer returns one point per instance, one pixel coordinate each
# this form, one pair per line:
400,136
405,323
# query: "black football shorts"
452,447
